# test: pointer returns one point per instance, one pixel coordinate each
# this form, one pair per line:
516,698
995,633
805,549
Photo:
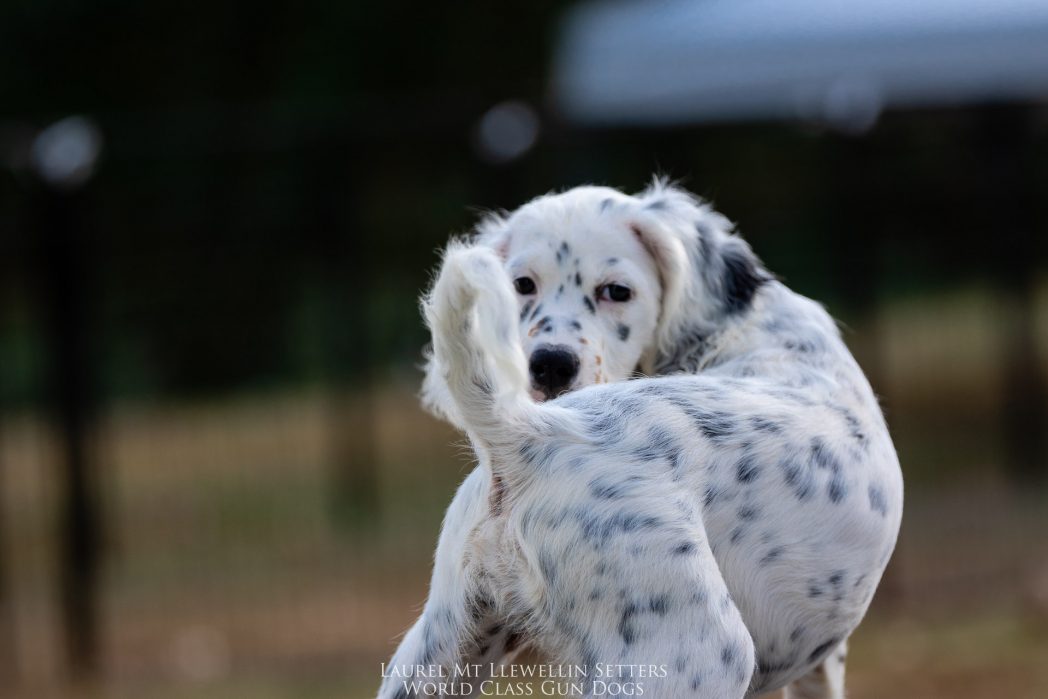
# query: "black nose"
553,369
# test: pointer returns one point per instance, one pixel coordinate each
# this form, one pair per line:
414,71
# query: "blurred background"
215,479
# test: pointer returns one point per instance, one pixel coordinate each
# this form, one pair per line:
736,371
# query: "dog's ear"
739,273
665,223
491,231
706,273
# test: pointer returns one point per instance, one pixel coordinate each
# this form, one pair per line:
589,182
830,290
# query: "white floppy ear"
490,231
671,260
665,224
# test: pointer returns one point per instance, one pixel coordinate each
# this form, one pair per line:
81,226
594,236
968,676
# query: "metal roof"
684,61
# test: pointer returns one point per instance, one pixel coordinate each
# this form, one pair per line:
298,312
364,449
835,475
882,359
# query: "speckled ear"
706,272
741,275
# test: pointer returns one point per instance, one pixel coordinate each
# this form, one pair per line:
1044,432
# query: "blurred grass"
228,575
971,652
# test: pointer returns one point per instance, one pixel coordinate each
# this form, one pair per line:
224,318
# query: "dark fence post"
348,286
855,229
1011,196
63,157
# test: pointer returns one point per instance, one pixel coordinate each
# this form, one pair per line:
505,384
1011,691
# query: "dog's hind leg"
681,620
457,627
824,681
439,658
629,583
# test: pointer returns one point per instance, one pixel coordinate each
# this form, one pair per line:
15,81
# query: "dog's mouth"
540,395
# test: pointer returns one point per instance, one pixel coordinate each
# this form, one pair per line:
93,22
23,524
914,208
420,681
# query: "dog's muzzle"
553,369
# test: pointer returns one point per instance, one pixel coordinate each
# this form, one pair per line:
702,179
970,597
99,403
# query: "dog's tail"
471,312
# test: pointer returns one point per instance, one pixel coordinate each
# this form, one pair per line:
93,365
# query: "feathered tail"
471,312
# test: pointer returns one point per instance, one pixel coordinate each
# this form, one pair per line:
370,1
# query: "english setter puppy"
717,528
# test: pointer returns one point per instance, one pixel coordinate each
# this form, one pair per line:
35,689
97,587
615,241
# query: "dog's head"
609,285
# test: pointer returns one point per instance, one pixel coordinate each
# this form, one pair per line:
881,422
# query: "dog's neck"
726,286
778,331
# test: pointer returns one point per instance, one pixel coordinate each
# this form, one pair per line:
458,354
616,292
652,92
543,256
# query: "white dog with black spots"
680,463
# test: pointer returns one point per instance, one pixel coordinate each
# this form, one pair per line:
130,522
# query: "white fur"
728,519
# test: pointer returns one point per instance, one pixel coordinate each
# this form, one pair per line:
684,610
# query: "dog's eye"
614,292
524,285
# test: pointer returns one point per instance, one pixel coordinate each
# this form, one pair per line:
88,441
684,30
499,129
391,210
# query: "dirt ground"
230,573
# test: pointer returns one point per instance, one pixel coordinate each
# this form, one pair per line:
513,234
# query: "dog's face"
588,291
607,283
